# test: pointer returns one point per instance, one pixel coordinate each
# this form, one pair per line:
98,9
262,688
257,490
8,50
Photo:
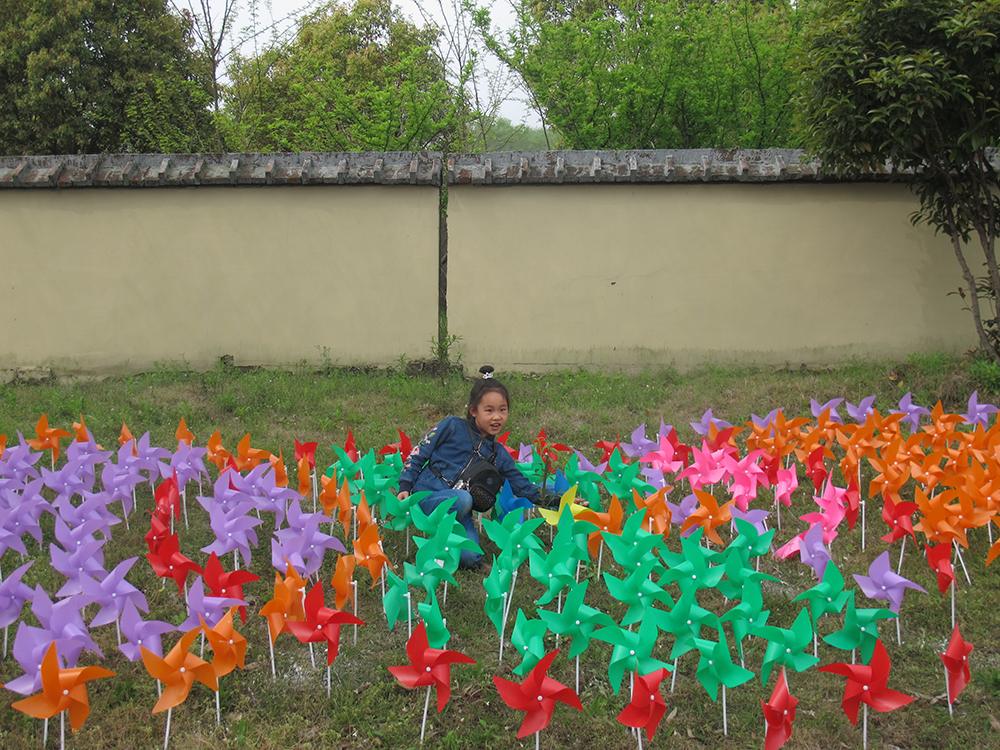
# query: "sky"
281,14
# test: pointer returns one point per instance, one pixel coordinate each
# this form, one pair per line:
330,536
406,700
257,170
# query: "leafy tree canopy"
657,73
355,78
94,76
915,83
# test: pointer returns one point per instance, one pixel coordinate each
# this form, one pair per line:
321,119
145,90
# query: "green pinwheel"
577,620
684,620
555,572
747,617
345,468
428,577
430,613
634,548
399,513
827,596
716,666
787,647
571,537
445,546
395,600
429,524
497,585
638,592
860,629
621,478
587,482
691,567
528,638
515,539
750,542
534,470
632,650
736,560
375,480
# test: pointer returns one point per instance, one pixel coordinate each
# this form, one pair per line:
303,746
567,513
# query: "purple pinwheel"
68,481
79,558
13,595
211,608
303,544
813,552
119,482
755,518
64,624
26,510
17,465
93,508
910,411
707,420
682,510
229,490
817,408
188,463
112,594
767,419
525,454
261,484
10,532
138,454
979,414
882,583
233,528
89,454
141,633
639,446
860,412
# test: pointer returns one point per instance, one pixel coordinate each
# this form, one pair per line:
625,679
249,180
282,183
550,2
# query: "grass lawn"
366,707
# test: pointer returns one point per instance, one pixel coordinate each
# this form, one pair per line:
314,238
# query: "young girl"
455,444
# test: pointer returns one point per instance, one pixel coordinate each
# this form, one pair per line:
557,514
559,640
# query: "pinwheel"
779,713
145,457
429,611
515,539
747,617
321,623
141,633
497,585
208,608
233,528
632,649
939,560
812,551
112,593
62,690
368,553
428,666
787,647
827,596
229,650
396,597
708,516
910,412
528,640
690,568
707,421
566,502
13,594
610,523
646,709
216,453
119,483
285,606
715,667
187,464
956,665
48,438
343,580
85,559
868,685
168,562
223,584
577,621
860,629
620,478
94,507
882,583
537,696
303,544
555,571
637,591
67,482
860,412
815,467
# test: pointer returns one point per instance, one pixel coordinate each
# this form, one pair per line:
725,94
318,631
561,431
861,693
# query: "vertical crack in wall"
442,334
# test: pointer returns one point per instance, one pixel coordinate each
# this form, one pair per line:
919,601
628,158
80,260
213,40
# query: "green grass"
367,709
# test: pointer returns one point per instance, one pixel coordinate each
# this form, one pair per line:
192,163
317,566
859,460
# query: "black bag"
483,482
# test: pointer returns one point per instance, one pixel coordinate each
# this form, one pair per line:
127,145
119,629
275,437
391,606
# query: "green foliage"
354,79
914,83
94,76
657,75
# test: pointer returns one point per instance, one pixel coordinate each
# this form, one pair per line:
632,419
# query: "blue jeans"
460,502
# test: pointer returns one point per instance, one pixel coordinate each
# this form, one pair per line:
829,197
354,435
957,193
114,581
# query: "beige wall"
99,280
630,275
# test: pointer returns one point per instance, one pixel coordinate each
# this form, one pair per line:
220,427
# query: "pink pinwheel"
788,482
833,511
779,713
956,663
705,467
537,696
868,684
112,594
141,633
233,528
662,459
647,707
746,475
882,583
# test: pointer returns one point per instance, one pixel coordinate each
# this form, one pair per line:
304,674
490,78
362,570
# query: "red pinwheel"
158,532
898,517
815,468
306,451
321,623
349,447
167,498
549,452
956,662
537,696
868,685
779,713
647,706
404,447
429,666
168,562
939,558
224,584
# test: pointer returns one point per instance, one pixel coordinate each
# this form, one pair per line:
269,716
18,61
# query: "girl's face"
490,414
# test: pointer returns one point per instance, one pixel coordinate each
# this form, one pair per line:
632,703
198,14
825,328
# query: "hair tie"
487,375
487,372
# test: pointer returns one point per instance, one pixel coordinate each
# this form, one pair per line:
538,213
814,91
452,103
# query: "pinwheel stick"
218,715
423,725
184,505
863,514
902,549
578,678
355,602
864,733
62,730
725,717
270,644
947,689
953,604
958,553
166,736
327,680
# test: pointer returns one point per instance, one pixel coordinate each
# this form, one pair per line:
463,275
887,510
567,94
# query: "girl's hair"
486,384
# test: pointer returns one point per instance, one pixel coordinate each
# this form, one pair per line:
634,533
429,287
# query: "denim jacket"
448,448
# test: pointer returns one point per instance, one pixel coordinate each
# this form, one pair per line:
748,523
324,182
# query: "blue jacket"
448,447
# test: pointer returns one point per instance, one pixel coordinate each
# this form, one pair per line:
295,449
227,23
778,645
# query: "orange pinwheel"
80,428
178,671
62,690
364,514
278,463
125,436
942,427
229,648
287,603
610,523
656,514
344,503
3,444
708,515
48,438
342,578
328,493
305,477
369,553
216,453
247,457
183,434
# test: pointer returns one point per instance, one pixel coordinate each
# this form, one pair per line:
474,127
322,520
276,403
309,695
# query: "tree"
915,83
95,76
353,79
656,73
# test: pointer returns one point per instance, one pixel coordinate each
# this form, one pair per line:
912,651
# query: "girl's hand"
403,495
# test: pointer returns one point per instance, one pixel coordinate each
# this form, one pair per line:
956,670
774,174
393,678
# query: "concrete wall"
546,276
106,280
